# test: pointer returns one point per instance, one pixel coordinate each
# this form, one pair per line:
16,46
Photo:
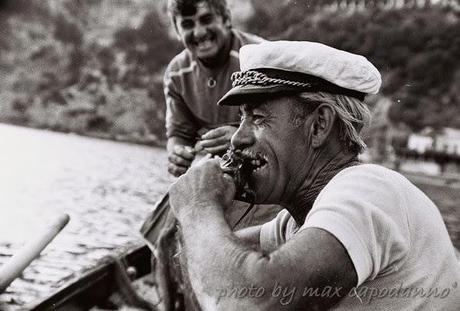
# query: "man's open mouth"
243,164
205,44
254,161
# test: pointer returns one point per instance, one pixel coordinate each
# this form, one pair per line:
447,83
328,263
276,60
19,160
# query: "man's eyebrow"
240,112
261,107
243,108
186,20
251,107
207,15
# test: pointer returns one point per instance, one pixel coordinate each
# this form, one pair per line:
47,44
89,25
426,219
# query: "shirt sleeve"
273,233
179,119
365,213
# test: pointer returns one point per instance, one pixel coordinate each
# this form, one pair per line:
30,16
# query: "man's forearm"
223,270
250,236
217,260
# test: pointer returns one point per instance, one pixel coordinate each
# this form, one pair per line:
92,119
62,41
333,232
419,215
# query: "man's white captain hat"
287,67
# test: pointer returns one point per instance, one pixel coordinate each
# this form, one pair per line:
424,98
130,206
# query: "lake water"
106,187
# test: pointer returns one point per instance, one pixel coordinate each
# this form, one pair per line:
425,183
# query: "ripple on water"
106,187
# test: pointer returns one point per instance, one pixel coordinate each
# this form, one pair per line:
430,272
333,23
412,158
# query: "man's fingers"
214,142
218,149
178,160
214,133
198,147
204,159
229,179
176,170
185,152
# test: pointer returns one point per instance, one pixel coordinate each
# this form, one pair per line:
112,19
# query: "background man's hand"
180,158
203,187
216,141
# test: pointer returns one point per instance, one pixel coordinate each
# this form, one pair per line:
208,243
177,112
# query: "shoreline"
147,140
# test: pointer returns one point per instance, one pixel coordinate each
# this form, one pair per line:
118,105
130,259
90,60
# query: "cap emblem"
250,77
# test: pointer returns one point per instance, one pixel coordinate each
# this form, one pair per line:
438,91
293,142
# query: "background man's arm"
180,155
181,129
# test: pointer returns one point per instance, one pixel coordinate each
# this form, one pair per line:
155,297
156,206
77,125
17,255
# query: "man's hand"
204,188
216,141
180,158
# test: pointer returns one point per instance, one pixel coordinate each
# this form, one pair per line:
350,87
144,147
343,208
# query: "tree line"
65,68
415,49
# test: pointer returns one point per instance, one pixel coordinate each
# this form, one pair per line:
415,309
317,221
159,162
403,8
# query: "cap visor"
243,94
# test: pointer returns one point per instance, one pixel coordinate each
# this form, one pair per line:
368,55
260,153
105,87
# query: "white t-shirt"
394,235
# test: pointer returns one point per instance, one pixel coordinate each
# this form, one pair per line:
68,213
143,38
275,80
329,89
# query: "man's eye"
187,24
258,119
206,20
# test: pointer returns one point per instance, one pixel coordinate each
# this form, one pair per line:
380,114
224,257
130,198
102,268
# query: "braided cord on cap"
241,78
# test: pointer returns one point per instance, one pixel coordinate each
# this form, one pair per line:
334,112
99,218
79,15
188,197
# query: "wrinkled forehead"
264,103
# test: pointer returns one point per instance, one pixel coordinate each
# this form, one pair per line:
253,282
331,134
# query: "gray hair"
352,116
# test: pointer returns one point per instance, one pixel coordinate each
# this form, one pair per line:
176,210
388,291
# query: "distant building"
440,148
447,140
420,143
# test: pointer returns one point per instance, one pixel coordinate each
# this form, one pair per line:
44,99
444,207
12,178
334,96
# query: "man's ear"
178,37
227,18
176,30
323,123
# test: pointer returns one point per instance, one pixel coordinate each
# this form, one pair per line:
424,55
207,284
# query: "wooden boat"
97,285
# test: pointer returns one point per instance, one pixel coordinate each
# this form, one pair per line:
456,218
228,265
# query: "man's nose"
243,137
199,31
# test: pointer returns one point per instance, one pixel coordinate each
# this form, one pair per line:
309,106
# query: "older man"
352,236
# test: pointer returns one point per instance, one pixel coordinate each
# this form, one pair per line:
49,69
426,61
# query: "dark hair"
188,7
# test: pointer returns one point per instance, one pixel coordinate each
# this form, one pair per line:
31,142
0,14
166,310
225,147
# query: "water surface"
106,187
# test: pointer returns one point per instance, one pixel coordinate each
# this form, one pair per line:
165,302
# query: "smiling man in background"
198,77
352,236
194,81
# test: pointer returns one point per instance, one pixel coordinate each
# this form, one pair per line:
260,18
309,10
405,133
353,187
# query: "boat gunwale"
95,285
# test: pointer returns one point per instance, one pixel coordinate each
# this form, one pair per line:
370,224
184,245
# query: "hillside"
95,67
85,67
415,45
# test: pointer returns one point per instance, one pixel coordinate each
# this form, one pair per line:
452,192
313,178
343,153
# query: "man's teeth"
257,163
256,160
205,44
